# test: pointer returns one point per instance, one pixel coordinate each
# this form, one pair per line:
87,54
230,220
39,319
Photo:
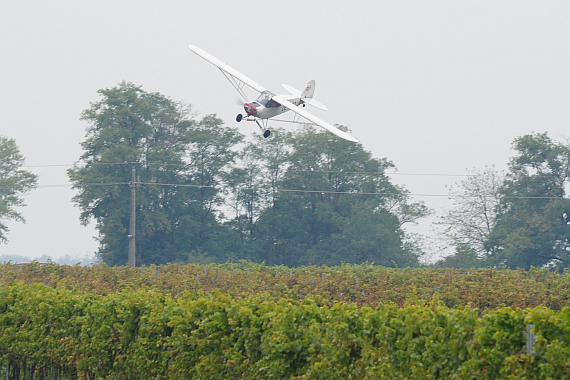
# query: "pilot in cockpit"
272,104
265,98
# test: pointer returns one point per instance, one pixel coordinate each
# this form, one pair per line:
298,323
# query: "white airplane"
268,104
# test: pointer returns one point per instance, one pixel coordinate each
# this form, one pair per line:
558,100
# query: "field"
250,321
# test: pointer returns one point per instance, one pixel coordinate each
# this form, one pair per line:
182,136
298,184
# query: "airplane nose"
250,109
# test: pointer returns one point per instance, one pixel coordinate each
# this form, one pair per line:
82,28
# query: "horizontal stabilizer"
315,103
309,100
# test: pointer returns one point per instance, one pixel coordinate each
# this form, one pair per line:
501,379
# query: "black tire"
266,133
239,117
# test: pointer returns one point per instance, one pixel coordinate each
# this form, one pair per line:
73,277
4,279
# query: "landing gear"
266,132
239,117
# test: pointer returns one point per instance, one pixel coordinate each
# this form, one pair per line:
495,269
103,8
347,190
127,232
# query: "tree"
464,257
254,190
208,155
14,183
530,229
334,203
471,219
179,164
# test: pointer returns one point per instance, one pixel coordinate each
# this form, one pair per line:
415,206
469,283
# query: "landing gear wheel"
239,117
266,133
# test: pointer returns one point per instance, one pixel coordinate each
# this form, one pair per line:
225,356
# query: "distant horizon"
63,260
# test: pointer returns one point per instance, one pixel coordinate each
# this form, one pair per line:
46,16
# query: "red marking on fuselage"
249,109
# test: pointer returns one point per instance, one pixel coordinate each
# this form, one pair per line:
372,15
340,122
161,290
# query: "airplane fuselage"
265,107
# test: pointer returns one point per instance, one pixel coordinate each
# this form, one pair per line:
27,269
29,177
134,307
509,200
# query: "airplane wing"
292,90
311,101
321,123
227,69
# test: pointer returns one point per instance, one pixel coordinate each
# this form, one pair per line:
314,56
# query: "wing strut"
238,85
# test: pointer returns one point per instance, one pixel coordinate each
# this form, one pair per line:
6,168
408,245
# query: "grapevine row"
145,334
485,289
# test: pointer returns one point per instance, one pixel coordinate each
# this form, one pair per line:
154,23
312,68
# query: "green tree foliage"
326,200
255,181
463,257
178,161
296,198
531,222
14,183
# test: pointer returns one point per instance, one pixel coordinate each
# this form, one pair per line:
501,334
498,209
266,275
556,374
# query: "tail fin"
309,90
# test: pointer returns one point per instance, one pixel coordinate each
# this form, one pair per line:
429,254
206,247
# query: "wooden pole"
132,229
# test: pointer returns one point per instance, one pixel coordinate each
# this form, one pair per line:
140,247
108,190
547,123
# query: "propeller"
240,103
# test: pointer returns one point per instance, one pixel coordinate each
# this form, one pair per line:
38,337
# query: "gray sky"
435,86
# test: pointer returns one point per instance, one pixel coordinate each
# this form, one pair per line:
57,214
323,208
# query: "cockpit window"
265,97
272,103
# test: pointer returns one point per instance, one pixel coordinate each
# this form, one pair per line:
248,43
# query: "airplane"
269,104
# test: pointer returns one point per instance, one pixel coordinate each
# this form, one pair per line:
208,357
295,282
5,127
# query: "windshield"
265,97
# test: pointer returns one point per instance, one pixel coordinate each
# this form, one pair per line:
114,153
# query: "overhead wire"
314,171
450,196
298,170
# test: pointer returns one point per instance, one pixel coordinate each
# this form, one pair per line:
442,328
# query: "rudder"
309,90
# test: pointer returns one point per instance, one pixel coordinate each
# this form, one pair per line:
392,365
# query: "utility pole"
132,229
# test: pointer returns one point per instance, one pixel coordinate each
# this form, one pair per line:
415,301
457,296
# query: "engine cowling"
250,109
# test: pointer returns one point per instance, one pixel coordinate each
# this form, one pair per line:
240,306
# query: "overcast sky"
437,87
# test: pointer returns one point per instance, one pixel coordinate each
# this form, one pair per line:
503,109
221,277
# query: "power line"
430,174
450,196
297,170
77,164
86,184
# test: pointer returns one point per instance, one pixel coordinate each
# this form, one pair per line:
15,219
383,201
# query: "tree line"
205,193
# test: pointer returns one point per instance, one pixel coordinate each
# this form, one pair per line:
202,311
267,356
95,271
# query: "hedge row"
49,333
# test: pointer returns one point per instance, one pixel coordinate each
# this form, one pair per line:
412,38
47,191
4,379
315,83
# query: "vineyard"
250,321
362,284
